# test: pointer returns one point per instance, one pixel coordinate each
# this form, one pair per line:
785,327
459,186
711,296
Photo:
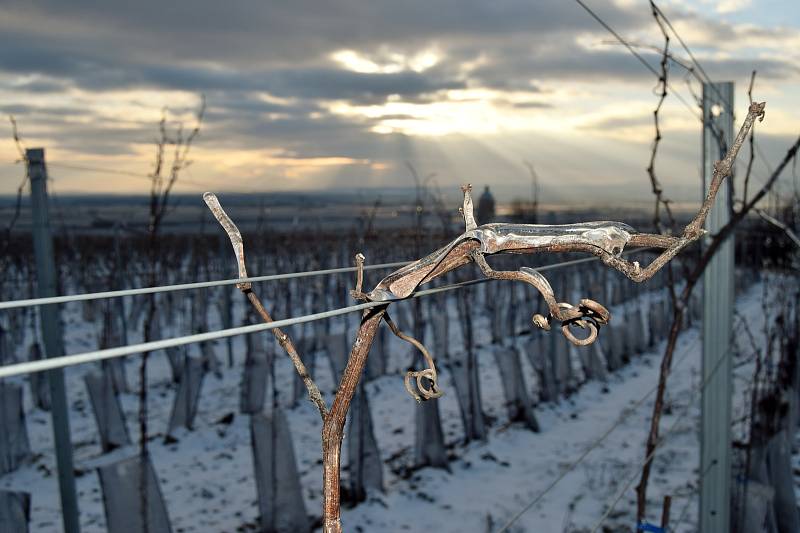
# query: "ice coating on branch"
609,236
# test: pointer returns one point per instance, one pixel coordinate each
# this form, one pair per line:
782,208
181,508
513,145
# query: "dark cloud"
268,76
95,136
357,87
41,86
313,83
284,47
147,42
278,32
41,111
531,105
300,135
396,116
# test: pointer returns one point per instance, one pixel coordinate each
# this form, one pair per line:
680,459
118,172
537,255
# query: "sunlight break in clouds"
729,6
386,62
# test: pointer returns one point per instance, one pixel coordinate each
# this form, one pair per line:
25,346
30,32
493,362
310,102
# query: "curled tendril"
587,315
595,311
425,393
541,322
583,324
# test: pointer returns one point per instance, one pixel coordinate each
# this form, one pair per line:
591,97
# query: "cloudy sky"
316,95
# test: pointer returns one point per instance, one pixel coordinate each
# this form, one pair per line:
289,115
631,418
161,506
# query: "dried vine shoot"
160,188
605,240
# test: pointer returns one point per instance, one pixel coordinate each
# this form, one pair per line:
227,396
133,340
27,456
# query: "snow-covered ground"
207,476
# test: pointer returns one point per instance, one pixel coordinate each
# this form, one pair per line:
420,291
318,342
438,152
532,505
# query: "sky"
305,95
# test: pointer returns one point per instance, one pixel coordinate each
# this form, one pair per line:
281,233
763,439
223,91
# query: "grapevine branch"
603,239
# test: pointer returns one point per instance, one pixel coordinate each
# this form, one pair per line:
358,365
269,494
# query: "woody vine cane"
605,239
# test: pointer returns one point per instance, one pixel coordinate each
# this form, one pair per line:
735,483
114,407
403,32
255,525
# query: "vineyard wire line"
594,445
185,286
120,172
110,353
11,304
638,56
662,440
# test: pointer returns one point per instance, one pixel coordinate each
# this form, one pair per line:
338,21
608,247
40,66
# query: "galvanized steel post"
718,302
52,336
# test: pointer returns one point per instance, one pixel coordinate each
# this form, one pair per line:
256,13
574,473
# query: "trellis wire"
185,286
12,304
605,435
593,446
661,441
110,353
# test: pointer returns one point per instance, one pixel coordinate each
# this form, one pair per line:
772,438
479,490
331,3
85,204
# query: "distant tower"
486,207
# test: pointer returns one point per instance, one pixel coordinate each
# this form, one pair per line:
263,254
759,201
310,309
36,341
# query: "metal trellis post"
52,336
718,301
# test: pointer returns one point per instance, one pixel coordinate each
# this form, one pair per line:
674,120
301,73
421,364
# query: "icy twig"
246,287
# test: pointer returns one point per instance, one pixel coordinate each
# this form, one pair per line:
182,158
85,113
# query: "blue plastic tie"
647,526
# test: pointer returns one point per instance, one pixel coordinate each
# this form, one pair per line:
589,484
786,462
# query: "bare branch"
693,278
790,155
368,221
359,275
752,142
603,239
16,138
180,158
694,230
247,289
534,190
333,426
778,224
18,202
658,191
159,203
467,209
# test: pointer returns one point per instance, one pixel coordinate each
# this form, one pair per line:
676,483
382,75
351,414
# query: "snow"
207,476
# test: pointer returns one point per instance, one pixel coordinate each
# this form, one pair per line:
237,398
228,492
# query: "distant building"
486,207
